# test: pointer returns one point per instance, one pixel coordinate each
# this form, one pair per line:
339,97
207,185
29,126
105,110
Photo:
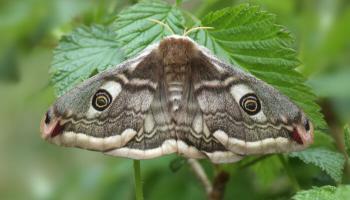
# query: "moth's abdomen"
175,81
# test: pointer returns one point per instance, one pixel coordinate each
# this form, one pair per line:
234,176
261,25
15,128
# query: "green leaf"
82,53
323,140
249,38
136,30
324,193
347,139
329,161
267,171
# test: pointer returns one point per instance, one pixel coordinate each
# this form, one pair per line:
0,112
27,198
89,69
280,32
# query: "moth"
177,97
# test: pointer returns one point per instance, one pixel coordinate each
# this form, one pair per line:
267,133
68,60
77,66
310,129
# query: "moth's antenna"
163,24
196,29
185,29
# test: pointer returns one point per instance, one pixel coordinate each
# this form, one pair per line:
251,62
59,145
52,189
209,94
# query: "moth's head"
271,116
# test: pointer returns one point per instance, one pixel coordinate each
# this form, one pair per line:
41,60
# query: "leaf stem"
290,174
138,182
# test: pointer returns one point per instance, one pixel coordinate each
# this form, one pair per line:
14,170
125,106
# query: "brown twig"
219,185
215,190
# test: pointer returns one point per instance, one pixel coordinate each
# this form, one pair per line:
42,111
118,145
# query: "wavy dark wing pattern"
132,87
219,88
174,121
143,100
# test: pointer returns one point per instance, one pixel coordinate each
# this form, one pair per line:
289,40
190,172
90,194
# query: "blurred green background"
33,169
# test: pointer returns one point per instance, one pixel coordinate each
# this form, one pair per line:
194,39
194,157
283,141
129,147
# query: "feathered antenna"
196,29
163,24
